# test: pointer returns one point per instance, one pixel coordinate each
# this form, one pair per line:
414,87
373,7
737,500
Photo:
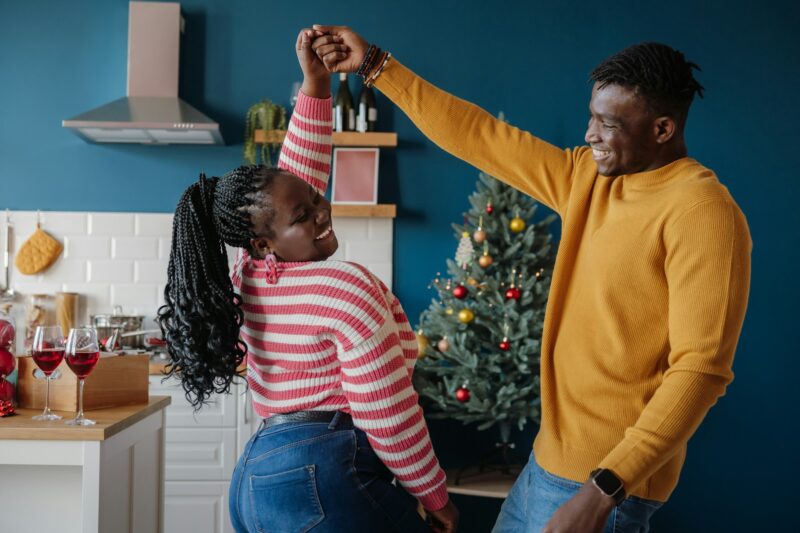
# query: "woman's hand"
340,48
445,520
316,78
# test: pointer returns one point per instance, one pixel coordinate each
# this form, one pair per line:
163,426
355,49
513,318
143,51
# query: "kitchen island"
103,478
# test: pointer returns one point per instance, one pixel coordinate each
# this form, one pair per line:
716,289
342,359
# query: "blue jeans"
537,494
304,476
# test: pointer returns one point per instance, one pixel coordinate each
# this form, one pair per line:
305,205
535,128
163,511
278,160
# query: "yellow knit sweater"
647,299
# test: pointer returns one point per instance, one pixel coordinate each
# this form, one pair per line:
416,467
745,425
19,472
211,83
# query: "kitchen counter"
109,422
107,477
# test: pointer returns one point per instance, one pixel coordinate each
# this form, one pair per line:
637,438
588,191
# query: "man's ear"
664,128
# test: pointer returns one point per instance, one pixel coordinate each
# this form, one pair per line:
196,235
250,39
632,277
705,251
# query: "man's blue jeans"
537,494
301,475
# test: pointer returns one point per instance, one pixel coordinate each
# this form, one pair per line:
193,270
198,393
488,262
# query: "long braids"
202,315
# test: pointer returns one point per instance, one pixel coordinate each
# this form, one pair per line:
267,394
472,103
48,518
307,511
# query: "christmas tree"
479,341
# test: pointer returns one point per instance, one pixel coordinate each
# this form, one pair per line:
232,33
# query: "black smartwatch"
609,484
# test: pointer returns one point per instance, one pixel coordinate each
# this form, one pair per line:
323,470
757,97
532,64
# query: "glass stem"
80,401
46,395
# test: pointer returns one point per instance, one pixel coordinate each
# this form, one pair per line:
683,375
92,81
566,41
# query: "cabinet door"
196,507
248,421
204,454
220,412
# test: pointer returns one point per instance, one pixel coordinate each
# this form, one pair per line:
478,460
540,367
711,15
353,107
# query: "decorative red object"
7,392
505,345
513,294
7,362
462,394
460,292
7,334
489,208
6,408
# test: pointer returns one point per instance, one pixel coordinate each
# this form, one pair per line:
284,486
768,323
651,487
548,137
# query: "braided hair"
202,314
661,74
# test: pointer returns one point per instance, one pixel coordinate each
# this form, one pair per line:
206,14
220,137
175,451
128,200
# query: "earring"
272,268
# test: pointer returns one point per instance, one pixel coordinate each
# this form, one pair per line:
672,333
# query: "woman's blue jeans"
320,477
537,494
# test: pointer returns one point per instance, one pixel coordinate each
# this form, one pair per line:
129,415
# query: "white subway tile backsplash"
368,251
121,258
60,223
150,271
141,296
111,271
111,224
66,271
153,224
134,248
87,247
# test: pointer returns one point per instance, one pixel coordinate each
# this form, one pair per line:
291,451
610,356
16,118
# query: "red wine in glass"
48,352
82,363
82,354
48,359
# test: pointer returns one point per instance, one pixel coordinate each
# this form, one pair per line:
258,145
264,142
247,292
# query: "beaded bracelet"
376,64
373,78
367,60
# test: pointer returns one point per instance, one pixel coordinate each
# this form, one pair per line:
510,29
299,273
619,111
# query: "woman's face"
300,227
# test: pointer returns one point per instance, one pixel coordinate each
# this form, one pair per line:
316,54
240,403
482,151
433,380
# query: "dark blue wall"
529,59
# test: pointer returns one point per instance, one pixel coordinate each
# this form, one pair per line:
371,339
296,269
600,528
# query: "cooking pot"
107,324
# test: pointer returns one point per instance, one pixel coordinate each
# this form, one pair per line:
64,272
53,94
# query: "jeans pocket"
286,502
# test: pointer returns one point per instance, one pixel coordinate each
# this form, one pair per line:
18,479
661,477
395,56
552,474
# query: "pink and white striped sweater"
330,336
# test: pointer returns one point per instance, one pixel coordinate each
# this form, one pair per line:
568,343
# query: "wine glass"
82,354
47,351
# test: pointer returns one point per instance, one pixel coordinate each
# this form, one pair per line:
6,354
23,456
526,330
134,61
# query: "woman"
329,349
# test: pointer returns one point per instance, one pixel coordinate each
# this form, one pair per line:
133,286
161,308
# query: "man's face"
621,131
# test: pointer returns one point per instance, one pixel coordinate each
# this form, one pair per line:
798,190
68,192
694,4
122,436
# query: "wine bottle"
344,115
367,111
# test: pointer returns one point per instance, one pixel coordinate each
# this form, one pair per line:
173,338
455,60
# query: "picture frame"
355,176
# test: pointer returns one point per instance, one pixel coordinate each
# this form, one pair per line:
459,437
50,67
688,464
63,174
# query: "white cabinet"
201,451
200,506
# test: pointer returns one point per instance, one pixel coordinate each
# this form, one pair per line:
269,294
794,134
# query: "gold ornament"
465,316
479,236
516,224
473,282
448,311
485,261
422,343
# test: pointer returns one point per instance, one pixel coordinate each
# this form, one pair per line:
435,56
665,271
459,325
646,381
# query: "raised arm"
306,150
459,127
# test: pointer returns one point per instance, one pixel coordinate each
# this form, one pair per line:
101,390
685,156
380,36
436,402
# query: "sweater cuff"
394,79
314,108
436,499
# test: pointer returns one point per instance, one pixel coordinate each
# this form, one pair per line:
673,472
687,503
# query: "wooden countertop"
109,422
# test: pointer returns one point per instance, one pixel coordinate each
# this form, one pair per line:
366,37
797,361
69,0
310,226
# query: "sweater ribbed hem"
316,108
433,501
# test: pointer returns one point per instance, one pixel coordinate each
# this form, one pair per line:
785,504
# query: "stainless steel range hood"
152,113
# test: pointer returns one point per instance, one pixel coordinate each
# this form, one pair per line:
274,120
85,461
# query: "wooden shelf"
380,139
364,211
490,484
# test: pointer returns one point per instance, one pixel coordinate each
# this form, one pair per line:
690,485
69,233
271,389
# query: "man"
649,289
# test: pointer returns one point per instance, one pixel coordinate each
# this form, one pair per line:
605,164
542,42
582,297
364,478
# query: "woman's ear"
261,247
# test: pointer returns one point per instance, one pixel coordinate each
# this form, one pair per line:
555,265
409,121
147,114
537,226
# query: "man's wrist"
608,484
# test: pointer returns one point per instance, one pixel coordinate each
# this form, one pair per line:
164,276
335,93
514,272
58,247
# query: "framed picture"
355,176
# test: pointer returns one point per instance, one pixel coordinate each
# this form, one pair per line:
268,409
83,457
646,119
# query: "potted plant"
263,115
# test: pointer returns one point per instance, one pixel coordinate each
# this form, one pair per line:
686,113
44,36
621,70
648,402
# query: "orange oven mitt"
38,252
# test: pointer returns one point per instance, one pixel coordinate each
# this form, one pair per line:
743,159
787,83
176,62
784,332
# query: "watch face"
607,481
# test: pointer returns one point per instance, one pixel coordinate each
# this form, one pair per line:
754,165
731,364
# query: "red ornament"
462,394
460,292
6,408
7,362
505,345
489,208
513,294
7,334
6,391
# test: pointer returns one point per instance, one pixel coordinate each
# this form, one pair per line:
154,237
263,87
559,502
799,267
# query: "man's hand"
445,520
586,512
316,78
340,48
